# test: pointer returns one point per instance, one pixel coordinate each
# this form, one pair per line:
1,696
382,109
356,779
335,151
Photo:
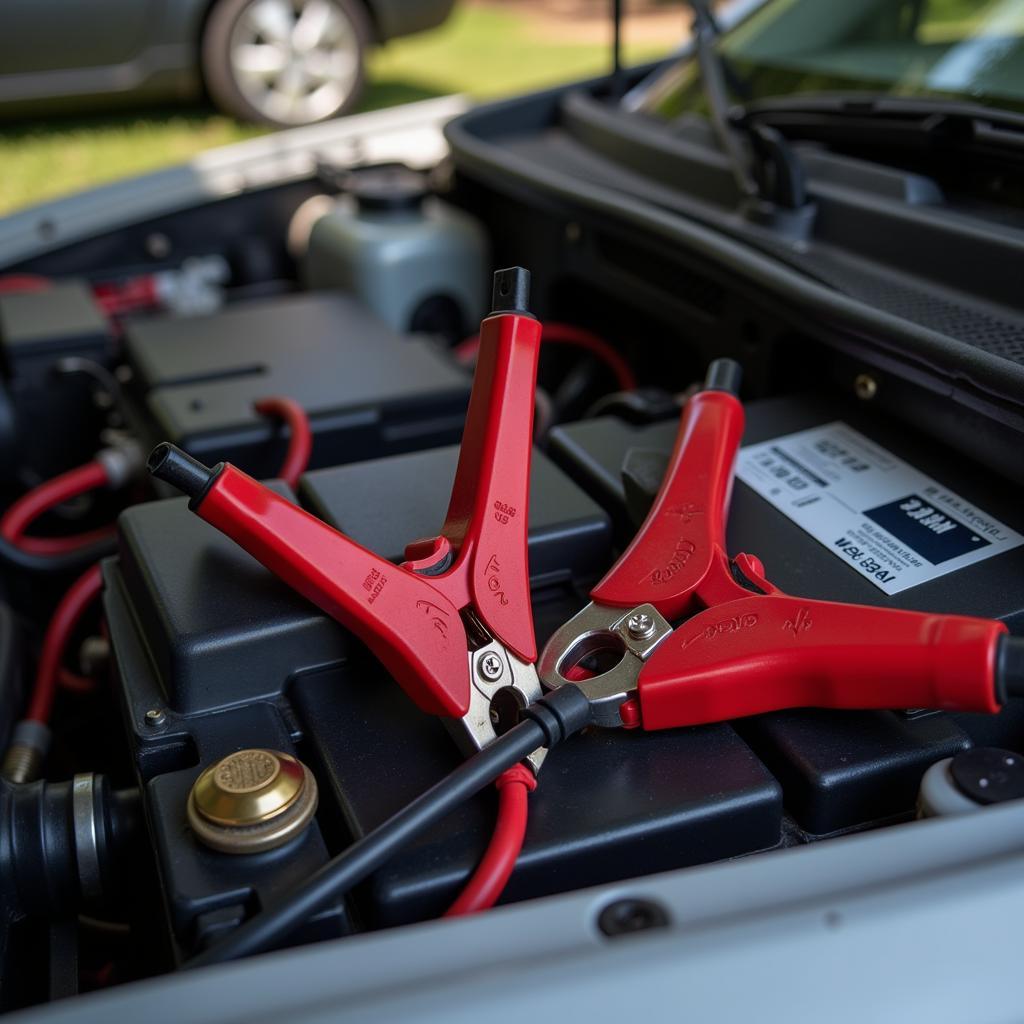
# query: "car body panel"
68,56
393,18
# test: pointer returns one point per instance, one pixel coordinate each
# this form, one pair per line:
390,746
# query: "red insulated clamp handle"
408,622
764,653
412,621
681,542
486,525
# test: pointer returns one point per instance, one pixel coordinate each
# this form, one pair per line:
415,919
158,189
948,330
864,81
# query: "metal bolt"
94,655
627,917
22,763
155,717
158,246
640,626
865,387
489,666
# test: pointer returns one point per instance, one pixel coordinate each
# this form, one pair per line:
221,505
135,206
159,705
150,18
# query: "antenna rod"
617,82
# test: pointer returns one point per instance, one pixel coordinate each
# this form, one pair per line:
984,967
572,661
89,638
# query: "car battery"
368,391
214,654
904,525
44,414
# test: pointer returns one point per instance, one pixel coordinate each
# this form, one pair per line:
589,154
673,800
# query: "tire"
285,62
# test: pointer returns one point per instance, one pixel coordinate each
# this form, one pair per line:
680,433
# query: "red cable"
73,682
47,546
66,617
116,298
579,337
12,284
492,873
300,444
31,505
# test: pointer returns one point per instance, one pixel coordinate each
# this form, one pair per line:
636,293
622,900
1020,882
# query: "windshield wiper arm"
712,77
776,174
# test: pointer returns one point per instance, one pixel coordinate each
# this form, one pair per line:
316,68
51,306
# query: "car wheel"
285,62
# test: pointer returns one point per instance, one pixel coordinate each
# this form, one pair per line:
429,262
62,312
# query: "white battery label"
895,526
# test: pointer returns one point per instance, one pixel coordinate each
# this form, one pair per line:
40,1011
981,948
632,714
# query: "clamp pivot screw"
489,667
640,626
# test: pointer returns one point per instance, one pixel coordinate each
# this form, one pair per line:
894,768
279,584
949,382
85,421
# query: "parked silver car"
279,62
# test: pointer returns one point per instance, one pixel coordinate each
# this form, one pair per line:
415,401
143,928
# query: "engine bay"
141,648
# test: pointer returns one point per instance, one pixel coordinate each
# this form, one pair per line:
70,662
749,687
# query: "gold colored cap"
252,800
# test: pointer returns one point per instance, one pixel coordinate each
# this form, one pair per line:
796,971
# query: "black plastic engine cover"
367,390
45,417
387,503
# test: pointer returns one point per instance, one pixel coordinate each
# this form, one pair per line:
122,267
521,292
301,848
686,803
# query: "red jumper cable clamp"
452,624
677,633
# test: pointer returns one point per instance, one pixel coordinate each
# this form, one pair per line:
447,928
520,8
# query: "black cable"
70,561
1010,667
545,724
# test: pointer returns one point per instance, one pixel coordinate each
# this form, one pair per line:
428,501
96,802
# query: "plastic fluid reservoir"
418,262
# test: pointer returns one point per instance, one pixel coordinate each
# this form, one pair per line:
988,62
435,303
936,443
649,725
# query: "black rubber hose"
69,562
544,724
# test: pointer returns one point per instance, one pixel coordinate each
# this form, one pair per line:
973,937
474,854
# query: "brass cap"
252,800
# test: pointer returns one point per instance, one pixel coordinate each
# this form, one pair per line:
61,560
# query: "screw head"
155,717
865,387
640,626
489,666
629,916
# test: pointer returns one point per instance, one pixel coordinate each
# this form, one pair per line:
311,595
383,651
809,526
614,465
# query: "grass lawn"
482,51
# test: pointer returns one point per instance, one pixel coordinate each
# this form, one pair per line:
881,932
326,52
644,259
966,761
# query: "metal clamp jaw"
615,642
501,685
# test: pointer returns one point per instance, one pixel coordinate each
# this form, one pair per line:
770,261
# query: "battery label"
890,522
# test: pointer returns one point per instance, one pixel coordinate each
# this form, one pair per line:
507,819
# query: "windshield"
967,49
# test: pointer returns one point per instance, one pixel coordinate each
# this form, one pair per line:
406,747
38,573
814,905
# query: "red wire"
31,505
556,333
66,617
73,682
11,284
116,298
300,444
492,873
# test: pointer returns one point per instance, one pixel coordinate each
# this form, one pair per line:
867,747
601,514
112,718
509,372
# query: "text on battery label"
883,517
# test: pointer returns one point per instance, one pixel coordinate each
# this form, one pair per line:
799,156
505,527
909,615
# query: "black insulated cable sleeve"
1009,667
510,292
169,463
724,375
544,724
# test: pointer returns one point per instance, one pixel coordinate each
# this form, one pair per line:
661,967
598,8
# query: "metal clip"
602,633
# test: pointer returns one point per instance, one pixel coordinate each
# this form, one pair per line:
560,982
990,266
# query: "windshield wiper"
879,121
712,77
771,173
